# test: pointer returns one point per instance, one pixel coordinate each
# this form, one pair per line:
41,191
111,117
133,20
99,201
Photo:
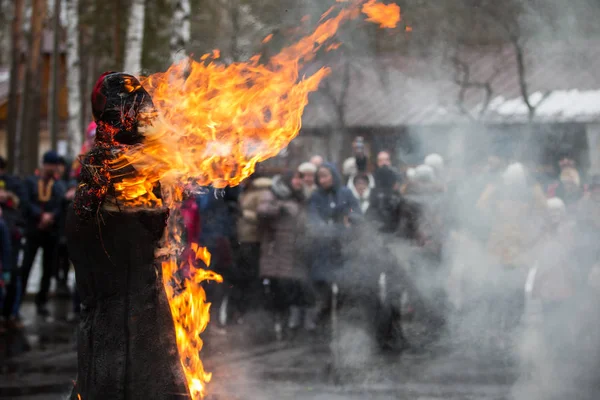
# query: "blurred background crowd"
463,252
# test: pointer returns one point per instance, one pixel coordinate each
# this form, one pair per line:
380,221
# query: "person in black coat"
386,217
332,212
42,207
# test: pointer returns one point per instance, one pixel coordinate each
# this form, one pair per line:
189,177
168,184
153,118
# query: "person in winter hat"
245,288
43,205
386,217
361,191
386,201
281,215
514,210
332,211
351,171
569,187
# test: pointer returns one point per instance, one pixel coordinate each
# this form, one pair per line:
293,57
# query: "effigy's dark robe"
126,339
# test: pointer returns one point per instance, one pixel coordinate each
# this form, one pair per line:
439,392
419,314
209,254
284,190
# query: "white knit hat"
514,175
424,173
307,168
349,167
556,204
435,161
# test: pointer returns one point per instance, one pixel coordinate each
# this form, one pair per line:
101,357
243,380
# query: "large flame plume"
214,122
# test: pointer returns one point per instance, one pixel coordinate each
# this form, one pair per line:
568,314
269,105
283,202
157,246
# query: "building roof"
411,90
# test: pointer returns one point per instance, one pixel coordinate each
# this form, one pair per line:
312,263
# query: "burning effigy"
159,139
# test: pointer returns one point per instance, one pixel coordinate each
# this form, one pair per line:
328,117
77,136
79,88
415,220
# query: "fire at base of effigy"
198,124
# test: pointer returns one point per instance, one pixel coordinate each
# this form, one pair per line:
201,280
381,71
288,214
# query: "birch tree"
74,133
180,35
135,38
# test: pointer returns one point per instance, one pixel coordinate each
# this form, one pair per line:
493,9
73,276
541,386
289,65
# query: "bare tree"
338,98
513,26
135,37
518,44
13,101
465,81
28,126
74,132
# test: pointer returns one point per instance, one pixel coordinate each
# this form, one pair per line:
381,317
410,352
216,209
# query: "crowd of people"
32,217
394,243
402,243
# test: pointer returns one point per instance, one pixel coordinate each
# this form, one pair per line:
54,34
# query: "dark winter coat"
12,212
218,214
6,250
33,208
427,211
330,212
282,221
387,211
126,339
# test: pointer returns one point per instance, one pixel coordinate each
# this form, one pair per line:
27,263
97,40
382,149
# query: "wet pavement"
39,362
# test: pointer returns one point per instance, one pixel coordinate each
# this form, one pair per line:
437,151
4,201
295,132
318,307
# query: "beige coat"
282,220
249,200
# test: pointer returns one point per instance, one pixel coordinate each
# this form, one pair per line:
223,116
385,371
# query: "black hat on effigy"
121,103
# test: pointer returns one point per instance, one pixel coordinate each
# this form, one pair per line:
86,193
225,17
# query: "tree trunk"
135,38
29,117
180,35
74,131
234,13
53,113
118,51
5,12
13,99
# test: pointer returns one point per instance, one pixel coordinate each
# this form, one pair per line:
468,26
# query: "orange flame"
214,123
190,312
387,16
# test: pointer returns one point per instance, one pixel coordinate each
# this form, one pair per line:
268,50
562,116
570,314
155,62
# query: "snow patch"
559,104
